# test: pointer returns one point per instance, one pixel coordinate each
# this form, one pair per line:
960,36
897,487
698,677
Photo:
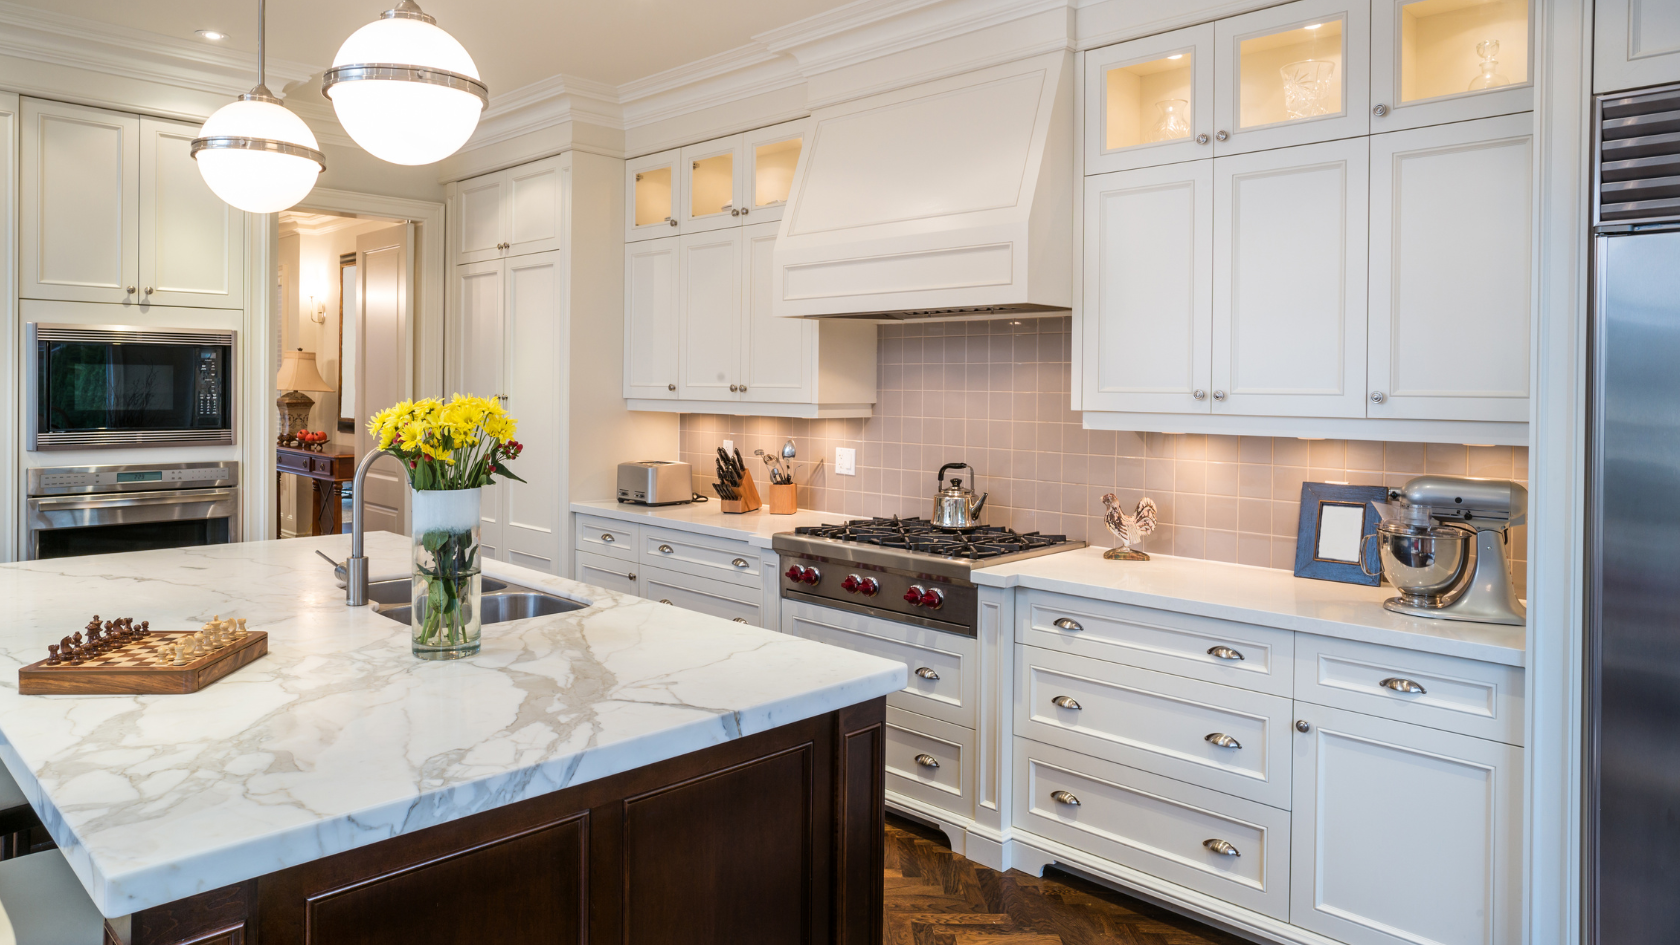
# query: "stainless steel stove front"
956,610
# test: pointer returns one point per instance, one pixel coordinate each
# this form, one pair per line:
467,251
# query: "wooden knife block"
748,502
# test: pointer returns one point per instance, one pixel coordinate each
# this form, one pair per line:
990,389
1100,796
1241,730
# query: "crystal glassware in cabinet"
1291,75
653,190
1150,101
1435,61
711,185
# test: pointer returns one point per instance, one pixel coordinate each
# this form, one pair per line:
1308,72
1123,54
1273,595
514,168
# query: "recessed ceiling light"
214,35
1176,55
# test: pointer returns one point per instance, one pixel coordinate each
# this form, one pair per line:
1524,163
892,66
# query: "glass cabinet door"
1149,101
1291,75
711,185
769,157
1435,61
653,191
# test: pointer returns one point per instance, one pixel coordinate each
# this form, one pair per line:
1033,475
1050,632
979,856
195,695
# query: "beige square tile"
1286,482
1254,516
1362,478
1490,462
1255,550
1221,478
1404,457
1220,545
1191,446
1519,463
1365,454
1283,553
1159,445
1254,480
1129,472
1127,443
1190,509
1075,500
1222,512
1222,449
1255,449
1074,468
1101,442
1446,459
1289,451
1190,476
1286,519
1158,475
1189,541
1331,453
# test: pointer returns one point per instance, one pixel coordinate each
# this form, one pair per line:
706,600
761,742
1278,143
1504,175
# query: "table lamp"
297,374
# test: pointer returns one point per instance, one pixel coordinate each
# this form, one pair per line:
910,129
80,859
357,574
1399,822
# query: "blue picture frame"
1315,496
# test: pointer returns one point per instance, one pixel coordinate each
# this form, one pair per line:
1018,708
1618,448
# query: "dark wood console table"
329,471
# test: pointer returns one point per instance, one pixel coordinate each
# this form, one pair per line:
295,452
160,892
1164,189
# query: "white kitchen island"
339,739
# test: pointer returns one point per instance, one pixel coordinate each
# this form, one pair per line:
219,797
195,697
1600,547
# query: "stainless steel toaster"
655,482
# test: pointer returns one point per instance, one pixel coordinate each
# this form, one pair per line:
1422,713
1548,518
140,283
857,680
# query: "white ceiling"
513,42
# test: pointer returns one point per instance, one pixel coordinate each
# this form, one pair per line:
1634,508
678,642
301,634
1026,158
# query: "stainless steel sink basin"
392,593
501,608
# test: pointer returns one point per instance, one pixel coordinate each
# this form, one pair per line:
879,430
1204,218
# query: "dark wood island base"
769,839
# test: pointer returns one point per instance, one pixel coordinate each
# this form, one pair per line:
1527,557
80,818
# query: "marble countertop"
339,738
1265,596
708,518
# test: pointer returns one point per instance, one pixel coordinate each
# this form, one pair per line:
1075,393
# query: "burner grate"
922,536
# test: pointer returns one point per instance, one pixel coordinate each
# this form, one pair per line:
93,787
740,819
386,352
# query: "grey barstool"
17,818
43,903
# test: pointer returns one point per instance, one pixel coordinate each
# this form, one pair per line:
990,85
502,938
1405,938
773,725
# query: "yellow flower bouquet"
451,451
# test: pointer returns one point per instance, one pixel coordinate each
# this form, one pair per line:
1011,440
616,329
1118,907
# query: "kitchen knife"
740,464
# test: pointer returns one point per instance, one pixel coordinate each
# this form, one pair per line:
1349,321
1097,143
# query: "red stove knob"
932,598
794,572
869,586
811,576
914,595
851,584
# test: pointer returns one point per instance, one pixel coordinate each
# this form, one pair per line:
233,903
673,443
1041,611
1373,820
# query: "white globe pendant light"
254,152
404,89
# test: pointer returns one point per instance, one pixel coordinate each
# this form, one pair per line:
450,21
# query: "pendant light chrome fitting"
398,72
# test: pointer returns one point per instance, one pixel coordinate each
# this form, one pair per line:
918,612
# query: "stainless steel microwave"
108,386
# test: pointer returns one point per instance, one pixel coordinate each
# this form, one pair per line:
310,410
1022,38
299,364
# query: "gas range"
906,570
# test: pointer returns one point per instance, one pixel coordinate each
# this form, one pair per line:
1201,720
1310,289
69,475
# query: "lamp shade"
297,372
404,89
257,155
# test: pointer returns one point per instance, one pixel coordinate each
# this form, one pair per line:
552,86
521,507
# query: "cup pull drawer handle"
608,538
739,562
664,549
1400,684
927,761
926,672
1064,623
1221,847
1064,797
664,600
1224,653
1066,702
1223,740
740,620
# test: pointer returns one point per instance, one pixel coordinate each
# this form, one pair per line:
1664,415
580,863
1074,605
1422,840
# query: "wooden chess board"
142,667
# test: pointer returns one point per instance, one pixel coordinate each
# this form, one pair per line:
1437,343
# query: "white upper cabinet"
192,243
709,319
1435,61
1150,101
776,353
1149,289
652,194
769,157
510,213
1289,281
1292,74
1635,43
483,318
711,185
650,319
1404,834
1451,238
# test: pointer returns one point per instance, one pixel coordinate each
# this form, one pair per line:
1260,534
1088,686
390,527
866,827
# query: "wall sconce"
317,311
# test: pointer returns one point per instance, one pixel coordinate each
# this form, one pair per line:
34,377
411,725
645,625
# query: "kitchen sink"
398,592
500,608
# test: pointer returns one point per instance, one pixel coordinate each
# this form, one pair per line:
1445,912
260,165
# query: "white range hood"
952,198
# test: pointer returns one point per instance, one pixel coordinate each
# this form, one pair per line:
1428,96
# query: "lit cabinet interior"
772,167
711,185
1292,75
726,182
1436,61
653,191
1150,101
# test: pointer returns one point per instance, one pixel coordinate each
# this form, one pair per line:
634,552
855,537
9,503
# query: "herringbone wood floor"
935,897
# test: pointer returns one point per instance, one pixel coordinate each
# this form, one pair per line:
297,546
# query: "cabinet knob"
1218,395
1222,740
734,213
148,290
673,222
1064,797
1222,135
665,549
1378,397
1065,623
1203,138
1224,653
129,290
1302,726
927,761
670,387
1221,847
734,388
745,211
1066,702
926,672
1379,110
1199,395
1400,684
743,388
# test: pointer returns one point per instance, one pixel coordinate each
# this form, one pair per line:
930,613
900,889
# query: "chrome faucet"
356,566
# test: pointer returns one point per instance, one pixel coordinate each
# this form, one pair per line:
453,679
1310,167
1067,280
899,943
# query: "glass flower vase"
448,589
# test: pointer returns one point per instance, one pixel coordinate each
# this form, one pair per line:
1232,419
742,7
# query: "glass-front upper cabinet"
1292,74
1150,101
653,194
711,185
769,158
1435,61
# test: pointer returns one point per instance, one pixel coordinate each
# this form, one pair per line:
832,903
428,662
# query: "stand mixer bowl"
1427,564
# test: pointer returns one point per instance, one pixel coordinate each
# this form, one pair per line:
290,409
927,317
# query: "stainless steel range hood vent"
948,199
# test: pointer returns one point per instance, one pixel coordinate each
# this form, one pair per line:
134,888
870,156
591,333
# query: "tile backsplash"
995,394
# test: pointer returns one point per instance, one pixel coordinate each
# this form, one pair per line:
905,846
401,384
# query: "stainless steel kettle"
955,507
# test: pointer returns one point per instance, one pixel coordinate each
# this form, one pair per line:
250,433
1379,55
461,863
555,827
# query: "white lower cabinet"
709,575
941,665
703,595
610,573
930,761
1404,834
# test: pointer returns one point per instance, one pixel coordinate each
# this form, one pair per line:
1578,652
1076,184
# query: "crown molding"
727,77
547,103
873,29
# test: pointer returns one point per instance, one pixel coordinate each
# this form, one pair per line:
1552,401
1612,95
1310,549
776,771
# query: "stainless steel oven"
90,510
106,386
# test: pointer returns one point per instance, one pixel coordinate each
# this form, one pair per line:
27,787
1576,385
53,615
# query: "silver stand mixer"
1443,546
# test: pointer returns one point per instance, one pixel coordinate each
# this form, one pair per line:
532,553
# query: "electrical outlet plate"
729,446
845,461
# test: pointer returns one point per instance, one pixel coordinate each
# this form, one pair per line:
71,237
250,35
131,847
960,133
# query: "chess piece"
180,654
52,654
145,628
241,633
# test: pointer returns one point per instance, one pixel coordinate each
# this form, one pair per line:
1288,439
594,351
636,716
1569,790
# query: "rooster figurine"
1130,529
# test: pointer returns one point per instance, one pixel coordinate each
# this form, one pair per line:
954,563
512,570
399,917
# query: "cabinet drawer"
289,462
717,558
610,573
739,604
604,536
1221,651
1465,696
941,665
1165,724
930,761
1154,824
